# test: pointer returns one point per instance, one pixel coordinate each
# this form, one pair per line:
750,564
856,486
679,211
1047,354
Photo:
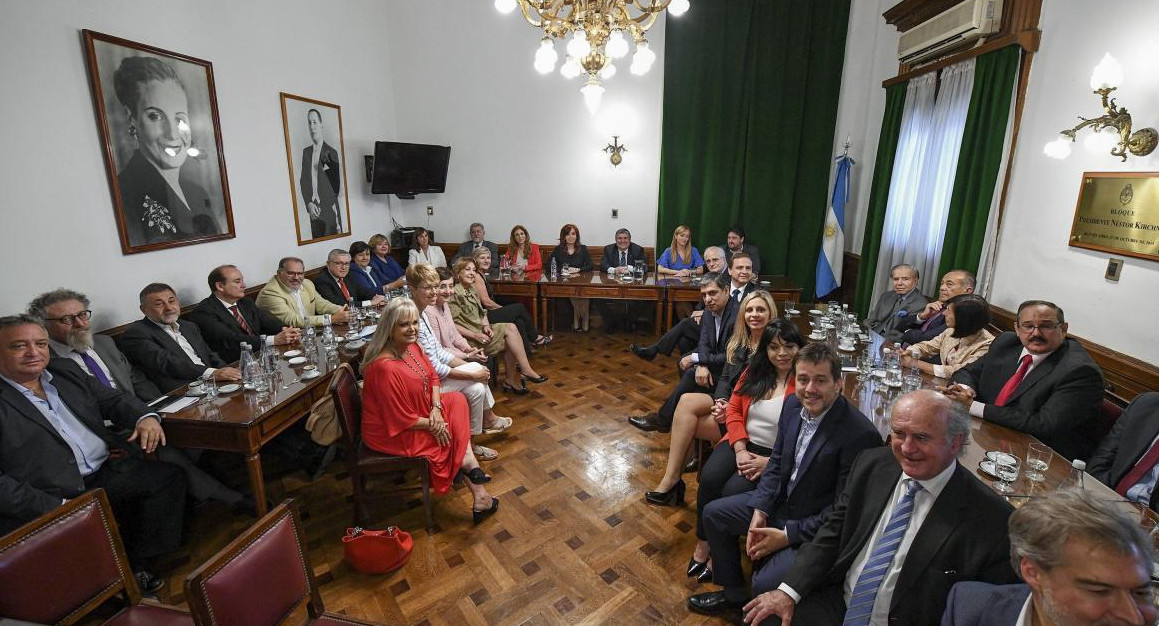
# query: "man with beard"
1084,563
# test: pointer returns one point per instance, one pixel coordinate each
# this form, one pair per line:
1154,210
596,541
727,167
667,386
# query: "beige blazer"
280,303
955,352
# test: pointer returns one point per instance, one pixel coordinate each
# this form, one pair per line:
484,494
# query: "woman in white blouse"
964,341
423,250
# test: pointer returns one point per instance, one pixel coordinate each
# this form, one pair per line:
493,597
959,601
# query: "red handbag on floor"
377,551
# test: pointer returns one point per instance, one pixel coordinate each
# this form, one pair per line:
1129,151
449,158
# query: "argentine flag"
833,245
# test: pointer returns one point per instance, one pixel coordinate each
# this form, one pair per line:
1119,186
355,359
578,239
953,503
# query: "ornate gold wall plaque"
1118,212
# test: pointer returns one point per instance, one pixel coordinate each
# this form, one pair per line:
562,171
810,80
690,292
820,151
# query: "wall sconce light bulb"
1108,74
1057,149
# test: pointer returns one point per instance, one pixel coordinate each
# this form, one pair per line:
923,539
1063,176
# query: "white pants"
478,394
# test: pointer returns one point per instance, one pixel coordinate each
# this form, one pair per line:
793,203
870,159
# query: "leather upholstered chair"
61,566
361,461
262,578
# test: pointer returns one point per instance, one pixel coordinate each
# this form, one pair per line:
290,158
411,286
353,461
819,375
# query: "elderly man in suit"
910,523
292,298
930,322
54,446
1127,459
819,436
895,306
478,240
226,318
619,259
1084,563
1036,380
321,181
336,285
170,351
703,366
686,333
735,242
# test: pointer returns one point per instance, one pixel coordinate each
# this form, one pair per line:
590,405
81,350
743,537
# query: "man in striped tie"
910,523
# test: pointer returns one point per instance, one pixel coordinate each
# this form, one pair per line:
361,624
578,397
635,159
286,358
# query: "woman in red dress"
404,413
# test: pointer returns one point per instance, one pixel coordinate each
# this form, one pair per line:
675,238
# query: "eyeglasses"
295,274
340,264
1045,327
69,320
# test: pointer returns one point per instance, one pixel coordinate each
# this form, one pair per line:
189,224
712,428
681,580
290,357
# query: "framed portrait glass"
316,157
157,115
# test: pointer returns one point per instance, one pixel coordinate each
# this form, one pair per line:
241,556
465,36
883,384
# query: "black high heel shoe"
478,516
705,576
475,475
672,497
538,379
696,568
519,391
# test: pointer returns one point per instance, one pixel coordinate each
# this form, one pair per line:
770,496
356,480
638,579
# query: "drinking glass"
790,308
1037,462
1006,466
911,382
864,366
209,386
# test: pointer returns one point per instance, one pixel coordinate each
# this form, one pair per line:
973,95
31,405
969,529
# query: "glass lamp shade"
593,92
1100,142
545,56
1057,149
505,6
1108,73
608,71
617,46
570,68
579,47
643,59
678,7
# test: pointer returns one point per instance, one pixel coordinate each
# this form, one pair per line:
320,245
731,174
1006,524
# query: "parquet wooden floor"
573,541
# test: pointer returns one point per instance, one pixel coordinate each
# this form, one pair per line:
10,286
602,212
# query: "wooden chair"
61,566
262,578
362,461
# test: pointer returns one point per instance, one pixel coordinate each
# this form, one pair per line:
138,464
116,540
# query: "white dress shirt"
978,408
1026,617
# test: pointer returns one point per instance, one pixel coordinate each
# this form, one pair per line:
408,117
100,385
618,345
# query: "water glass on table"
209,385
1006,465
1037,462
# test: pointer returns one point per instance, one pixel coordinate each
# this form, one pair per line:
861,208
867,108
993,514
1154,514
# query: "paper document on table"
180,404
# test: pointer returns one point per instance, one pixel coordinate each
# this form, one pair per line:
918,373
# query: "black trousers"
516,314
682,337
687,384
718,479
148,499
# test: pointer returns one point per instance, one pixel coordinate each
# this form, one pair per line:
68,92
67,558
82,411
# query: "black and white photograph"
157,114
315,156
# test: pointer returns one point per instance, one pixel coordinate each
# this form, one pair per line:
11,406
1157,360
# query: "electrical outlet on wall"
430,211
615,214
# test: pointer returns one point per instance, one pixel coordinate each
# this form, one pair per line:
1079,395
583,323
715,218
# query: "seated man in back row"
227,318
894,307
619,259
335,284
929,322
292,298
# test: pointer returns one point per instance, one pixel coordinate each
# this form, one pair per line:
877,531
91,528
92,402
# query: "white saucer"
368,331
194,392
815,311
289,354
354,345
298,360
310,374
846,347
815,337
230,388
994,455
987,468
793,312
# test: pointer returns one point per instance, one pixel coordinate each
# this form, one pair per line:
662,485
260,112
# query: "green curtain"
879,196
750,103
979,159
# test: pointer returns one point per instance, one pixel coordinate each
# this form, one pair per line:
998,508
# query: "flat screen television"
406,169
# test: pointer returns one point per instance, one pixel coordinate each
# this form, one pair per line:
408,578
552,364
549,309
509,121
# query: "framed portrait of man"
316,157
157,116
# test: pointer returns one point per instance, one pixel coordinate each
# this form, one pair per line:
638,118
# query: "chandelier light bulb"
593,92
505,6
570,69
1100,141
617,46
608,71
676,8
579,47
545,56
1057,149
643,59
1108,73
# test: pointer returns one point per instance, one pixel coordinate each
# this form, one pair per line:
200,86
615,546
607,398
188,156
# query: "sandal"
501,424
519,391
475,475
483,453
543,340
534,379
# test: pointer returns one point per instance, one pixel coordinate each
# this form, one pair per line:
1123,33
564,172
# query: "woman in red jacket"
522,255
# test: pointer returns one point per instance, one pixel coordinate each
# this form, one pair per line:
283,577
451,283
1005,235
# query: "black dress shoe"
149,582
695,568
648,423
713,603
672,497
691,466
644,352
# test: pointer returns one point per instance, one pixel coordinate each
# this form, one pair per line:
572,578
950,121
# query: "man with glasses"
333,285
684,335
292,298
1036,380
478,240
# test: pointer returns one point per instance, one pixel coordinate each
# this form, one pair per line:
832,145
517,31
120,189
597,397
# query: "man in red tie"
1127,460
334,284
226,317
1036,380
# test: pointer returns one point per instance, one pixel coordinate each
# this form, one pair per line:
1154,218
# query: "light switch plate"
1114,268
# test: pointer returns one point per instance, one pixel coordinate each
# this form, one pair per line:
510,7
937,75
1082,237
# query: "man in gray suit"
895,306
478,240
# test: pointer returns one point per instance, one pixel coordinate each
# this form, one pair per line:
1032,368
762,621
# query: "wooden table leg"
253,464
659,317
542,303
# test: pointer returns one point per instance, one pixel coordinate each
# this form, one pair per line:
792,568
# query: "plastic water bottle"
554,271
308,338
1078,470
249,366
328,336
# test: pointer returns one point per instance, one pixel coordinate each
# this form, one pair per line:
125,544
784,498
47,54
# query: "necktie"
623,258
345,291
1012,384
736,294
477,246
880,560
240,320
1141,469
95,368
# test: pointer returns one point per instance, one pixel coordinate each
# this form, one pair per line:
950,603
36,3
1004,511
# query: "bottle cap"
1079,464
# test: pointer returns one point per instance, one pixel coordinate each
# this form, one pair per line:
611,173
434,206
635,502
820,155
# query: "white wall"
1034,260
58,227
523,147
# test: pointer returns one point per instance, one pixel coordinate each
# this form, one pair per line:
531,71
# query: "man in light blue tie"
910,523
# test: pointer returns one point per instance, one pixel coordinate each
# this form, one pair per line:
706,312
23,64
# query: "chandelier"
597,34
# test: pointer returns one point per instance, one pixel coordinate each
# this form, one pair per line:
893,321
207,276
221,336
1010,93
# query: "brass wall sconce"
616,149
1115,121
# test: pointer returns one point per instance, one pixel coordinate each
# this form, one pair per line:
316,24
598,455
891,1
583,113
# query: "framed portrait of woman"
157,115
316,157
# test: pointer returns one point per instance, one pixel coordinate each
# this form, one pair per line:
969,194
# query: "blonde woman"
681,259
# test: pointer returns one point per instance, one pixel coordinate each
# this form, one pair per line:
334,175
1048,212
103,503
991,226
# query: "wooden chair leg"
426,478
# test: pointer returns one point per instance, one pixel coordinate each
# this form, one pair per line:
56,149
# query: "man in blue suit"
818,437
1084,563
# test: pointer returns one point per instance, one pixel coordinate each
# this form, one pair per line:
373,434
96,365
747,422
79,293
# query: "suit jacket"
279,302
917,331
369,283
1058,401
126,377
1127,442
887,315
802,505
467,247
327,286
437,258
962,538
37,467
612,256
711,349
329,183
157,354
747,248
154,213
980,604
223,334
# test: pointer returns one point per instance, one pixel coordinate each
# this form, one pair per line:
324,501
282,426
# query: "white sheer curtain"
923,174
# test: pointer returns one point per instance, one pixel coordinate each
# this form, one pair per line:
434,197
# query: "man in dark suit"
703,366
895,306
226,317
334,282
54,446
321,181
910,523
818,437
170,351
620,258
735,242
478,240
1084,563
930,322
1037,381
1127,460
686,333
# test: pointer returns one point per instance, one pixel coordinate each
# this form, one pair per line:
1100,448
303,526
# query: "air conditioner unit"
953,28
